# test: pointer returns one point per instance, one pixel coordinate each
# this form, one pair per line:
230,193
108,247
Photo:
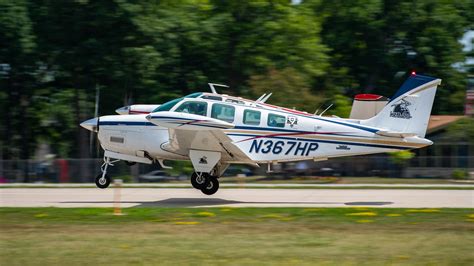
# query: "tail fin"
408,111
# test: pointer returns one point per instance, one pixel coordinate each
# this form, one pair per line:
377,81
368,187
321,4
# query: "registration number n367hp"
296,148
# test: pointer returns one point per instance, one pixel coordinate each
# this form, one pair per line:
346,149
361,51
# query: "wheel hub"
211,184
200,179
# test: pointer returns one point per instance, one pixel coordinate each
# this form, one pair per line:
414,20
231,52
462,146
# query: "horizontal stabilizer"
136,109
367,105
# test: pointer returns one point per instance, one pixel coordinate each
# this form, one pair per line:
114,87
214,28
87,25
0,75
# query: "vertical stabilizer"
408,111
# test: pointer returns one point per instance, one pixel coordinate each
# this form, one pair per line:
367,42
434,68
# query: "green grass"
252,236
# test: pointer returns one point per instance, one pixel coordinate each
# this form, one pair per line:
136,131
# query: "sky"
467,40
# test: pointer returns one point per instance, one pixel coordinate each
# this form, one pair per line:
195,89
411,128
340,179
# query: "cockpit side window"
196,108
276,120
223,112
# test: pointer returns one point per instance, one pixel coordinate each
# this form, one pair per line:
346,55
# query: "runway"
180,197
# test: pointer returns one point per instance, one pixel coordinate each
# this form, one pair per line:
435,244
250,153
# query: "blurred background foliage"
54,54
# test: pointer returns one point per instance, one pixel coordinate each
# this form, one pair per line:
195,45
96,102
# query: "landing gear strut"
205,182
103,180
198,180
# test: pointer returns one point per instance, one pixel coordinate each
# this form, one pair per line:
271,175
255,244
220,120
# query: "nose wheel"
205,182
103,180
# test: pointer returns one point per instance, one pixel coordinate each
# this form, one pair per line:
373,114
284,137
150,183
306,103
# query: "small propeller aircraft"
215,130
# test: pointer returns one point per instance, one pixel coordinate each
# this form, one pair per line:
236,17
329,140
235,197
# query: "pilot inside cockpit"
197,108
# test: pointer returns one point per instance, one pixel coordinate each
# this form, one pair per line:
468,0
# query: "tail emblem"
400,109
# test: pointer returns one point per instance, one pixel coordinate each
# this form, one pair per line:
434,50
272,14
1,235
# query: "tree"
268,35
462,130
81,46
53,54
288,87
17,79
376,44
186,42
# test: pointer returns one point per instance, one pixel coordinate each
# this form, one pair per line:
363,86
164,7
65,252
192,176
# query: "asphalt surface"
468,185
271,197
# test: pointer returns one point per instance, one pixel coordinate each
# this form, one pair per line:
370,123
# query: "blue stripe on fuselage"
323,141
129,123
372,130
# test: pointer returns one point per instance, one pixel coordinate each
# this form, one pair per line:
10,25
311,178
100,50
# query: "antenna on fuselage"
321,114
213,90
261,97
266,97
317,110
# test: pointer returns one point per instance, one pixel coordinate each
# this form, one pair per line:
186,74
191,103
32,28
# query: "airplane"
215,130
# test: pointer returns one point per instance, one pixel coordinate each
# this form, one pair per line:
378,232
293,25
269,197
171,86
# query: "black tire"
199,183
212,186
100,183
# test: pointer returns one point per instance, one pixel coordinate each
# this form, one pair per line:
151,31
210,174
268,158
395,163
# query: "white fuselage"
263,132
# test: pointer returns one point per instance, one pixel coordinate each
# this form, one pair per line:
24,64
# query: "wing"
182,141
194,132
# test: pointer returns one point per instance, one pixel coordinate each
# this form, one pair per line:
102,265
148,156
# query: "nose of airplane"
123,110
91,124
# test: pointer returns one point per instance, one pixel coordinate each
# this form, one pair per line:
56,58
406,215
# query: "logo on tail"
203,160
400,109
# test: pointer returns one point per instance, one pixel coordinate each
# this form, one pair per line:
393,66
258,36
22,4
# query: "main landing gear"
205,182
103,180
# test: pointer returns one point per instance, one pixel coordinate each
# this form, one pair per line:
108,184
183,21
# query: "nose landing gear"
103,180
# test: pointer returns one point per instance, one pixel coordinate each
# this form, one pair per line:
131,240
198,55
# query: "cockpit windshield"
193,95
168,105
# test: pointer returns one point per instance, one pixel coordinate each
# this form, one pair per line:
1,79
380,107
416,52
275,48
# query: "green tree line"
54,54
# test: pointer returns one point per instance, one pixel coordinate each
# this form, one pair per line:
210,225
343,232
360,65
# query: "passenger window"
223,112
197,108
251,117
276,120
